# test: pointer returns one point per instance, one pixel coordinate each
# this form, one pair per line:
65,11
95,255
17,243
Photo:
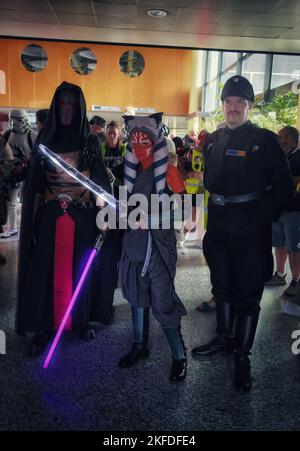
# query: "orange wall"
164,84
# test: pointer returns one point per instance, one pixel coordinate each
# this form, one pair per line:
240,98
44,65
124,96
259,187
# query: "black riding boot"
223,341
88,333
39,343
244,336
139,350
176,343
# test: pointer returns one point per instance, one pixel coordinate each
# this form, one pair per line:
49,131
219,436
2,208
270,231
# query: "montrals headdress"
153,126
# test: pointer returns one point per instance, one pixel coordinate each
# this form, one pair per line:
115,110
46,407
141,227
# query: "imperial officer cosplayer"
247,176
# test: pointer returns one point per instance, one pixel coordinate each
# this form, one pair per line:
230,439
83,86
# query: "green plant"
281,111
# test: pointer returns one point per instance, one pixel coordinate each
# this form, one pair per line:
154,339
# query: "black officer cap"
98,120
238,86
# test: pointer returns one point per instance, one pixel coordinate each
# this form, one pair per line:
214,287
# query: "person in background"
21,138
286,232
41,118
5,155
113,153
97,125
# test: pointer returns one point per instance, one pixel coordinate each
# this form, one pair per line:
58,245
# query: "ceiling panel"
228,24
291,34
154,4
275,20
77,19
72,6
253,5
25,5
116,2
198,15
28,16
168,26
210,29
263,32
287,7
278,20
231,30
119,11
206,4
236,17
115,22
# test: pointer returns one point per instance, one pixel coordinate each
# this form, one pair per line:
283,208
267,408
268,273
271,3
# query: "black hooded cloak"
36,256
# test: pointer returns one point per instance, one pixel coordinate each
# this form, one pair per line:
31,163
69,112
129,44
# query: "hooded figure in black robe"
58,228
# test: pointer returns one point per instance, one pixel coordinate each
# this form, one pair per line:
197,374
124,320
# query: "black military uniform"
247,176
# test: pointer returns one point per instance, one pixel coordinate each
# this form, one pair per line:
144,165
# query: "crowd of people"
248,179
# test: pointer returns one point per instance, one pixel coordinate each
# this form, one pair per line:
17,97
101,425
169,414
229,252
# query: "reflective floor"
85,390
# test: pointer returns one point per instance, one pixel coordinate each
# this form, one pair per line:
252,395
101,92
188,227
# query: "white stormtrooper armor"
20,138
20,135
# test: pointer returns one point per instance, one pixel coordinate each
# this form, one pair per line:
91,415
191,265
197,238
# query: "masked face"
18,122
67,102
141,145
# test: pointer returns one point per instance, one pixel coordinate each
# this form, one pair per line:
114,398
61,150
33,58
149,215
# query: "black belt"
218,199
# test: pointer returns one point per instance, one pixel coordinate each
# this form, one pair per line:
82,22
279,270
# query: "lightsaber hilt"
100,240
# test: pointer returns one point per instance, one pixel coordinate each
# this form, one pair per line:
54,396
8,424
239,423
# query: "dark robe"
37,235
156,288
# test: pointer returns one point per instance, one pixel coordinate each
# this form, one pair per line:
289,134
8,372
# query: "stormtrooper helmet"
18,121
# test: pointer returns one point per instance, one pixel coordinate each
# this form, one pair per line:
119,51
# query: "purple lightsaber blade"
69,309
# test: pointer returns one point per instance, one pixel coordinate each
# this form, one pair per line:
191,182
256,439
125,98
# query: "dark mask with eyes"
67,105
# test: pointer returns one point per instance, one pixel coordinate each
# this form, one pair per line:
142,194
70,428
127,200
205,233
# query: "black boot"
38,344
179,361
178,370
244,337
88,333
223,342
242,376
138,350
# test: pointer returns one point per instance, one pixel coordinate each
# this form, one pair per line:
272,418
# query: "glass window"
83,61
213,62
228,74
254,70
132,63
229,58
286,68
34,58
229,65
211,97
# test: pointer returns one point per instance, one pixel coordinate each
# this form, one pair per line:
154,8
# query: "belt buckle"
64,204
219,199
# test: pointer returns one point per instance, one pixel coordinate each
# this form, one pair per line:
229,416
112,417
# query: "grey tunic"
156,288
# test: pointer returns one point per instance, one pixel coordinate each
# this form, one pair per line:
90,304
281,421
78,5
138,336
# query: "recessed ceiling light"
157,13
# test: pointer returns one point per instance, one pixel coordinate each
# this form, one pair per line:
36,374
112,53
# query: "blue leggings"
140,320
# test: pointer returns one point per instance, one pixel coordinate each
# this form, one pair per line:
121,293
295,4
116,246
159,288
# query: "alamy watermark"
296,344
155,212
2,342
